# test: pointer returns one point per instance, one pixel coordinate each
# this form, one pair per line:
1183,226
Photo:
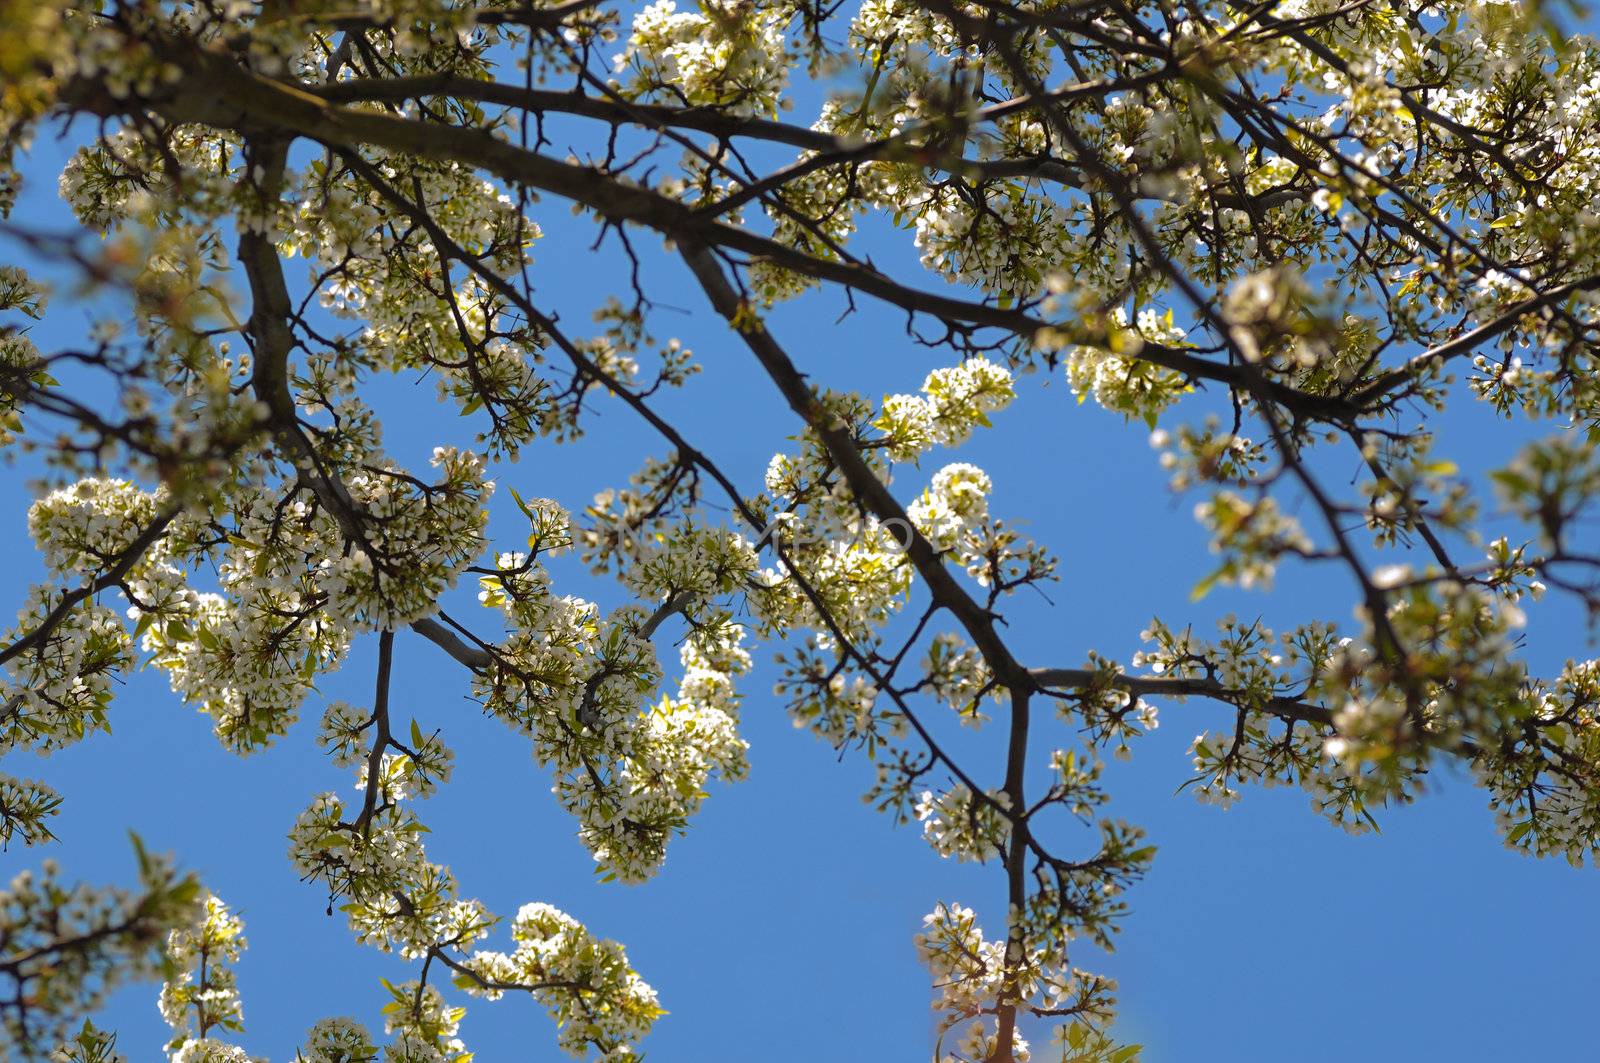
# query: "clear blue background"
781,927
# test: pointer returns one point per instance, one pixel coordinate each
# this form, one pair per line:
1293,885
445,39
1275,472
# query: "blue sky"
781,926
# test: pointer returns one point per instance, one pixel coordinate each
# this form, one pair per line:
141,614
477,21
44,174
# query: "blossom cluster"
1305,266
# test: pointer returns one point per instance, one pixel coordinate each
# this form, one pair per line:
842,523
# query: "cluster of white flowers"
1121,382
595,998
953,402
99,180
58,691
338,1040
684,561
731,54
415,539
247,656
396,899
1005,244
413,314
958,823
289,601
854,565
202,993
632,773
955,504
959,676
971,971
425,1028
967,968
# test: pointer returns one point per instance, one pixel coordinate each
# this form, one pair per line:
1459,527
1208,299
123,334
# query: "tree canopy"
1279,237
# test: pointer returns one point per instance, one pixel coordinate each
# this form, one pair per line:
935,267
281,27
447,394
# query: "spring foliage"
1274,236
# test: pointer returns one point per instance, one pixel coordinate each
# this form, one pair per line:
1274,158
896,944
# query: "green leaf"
1203,588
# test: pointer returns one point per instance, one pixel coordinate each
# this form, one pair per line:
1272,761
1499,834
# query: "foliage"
1333,219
